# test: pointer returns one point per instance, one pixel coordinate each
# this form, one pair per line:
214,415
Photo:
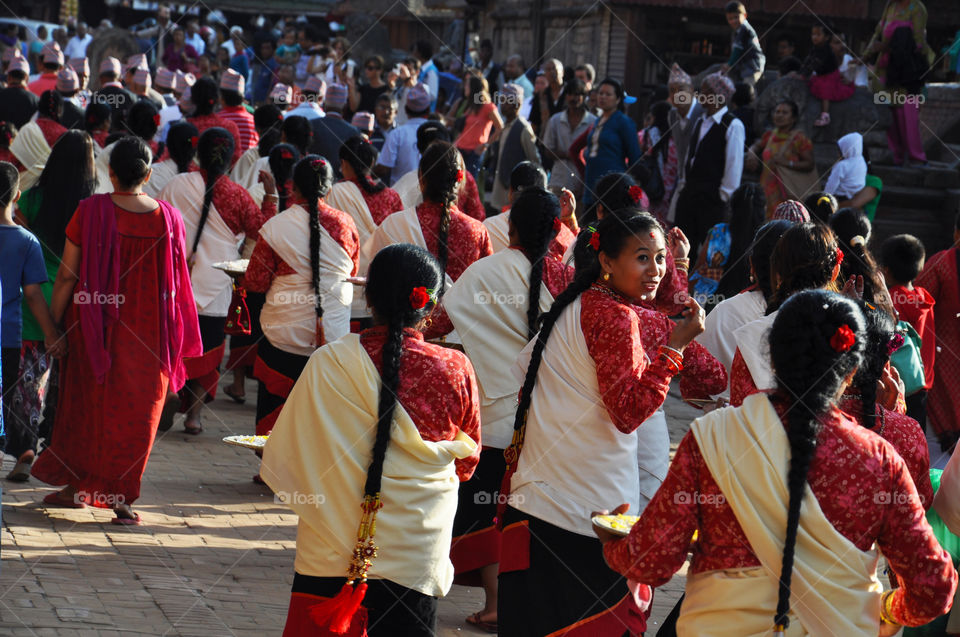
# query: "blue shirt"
265,74
617,145
21,263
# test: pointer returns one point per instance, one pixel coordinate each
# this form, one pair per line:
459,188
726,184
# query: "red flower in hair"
636,193
286,154
843,339
194,141
316,163
459,176
595,241
557,224
419,297
839,256
156,120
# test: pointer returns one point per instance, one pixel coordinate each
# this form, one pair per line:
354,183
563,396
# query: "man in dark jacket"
17,102
331,131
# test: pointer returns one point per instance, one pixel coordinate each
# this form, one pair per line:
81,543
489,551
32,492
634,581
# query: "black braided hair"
429,132
362,156
268,140
7,132
68,177
803,259
96,116
764,243
50,105
205,95
846,224
439,166
283,158
613,193
748,205
527,174
810,374
313,176
880,331
391,278
214,152
296,130
614,231
533,215
180,143
141,120
130,161
821,206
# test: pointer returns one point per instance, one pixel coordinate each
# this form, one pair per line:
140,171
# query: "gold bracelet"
682,263
886,607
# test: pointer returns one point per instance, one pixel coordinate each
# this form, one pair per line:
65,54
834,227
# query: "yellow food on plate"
620,523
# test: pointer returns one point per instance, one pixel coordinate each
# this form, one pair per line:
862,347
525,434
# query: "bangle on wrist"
681,261
886,607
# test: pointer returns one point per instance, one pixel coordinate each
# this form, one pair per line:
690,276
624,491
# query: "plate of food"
250,442
619,524
235,267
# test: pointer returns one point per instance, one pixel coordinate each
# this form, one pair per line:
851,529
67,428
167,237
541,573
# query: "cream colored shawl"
31,149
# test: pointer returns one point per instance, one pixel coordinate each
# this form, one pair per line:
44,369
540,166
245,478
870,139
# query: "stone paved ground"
215,556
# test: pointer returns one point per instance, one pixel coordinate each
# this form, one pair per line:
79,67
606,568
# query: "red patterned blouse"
265,264
469,199
52,131
203,122
851,466
438,388
381,204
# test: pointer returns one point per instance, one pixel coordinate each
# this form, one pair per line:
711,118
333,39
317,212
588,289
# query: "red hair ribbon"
194,141
156,120
419,297
286,154
459,176
839,256
636,193
317,163
843,339
557,224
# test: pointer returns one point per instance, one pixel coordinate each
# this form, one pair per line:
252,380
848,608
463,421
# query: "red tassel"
340,623
324,612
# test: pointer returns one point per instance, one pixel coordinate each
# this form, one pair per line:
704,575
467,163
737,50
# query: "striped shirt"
244,121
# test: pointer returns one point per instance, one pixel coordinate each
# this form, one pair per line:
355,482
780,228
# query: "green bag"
907,359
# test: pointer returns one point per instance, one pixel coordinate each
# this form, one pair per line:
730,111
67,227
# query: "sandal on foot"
134,521
237,398
488,626
193,431
823,120
57,499
21,471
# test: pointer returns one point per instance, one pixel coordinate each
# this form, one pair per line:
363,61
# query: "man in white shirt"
400,155
429,74
194,38
513,72
311,99
77,46
714,162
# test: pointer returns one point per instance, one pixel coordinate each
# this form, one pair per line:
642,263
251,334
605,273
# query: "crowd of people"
464,300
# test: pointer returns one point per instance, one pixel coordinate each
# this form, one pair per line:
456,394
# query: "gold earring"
606,276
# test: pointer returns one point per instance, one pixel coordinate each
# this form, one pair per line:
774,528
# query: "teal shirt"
29,205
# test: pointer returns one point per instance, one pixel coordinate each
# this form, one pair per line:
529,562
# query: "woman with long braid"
243,347
217,214
860,402
762,562
361,194
301,262
592,381
496,306
388,420
181,144
436,224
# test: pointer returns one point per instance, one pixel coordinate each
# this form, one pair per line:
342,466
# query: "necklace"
130,194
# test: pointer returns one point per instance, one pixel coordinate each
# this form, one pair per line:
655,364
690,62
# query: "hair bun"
857,240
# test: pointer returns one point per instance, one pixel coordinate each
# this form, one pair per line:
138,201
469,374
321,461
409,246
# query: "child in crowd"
821,206
746,57
901,260
851,68
822,72
22,270
289,50
849,175
7,132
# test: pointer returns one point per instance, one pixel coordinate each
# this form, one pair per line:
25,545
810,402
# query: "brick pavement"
214,557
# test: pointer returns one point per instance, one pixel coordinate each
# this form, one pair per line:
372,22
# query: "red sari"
104,431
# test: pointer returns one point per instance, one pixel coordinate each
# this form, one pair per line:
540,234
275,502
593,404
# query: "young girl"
849,175
301,262
821,69
390,422
586,395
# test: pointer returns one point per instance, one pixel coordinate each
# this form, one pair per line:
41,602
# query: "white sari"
31,149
